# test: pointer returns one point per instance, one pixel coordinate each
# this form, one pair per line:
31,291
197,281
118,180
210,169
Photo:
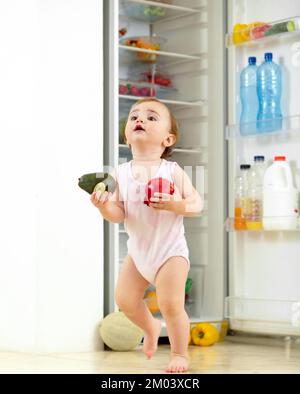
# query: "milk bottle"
280,198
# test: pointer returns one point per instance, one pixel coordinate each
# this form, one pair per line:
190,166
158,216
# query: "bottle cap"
268,56
259,158
280,158
252,60
245,167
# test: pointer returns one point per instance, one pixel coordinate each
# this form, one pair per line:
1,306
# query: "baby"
157,248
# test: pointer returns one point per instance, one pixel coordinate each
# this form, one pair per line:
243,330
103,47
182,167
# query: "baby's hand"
99,200
167,202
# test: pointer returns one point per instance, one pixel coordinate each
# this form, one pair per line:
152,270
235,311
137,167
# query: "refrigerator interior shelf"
145,89
263,315
263,32
179,104
155,12
178,150
132,54
221,325
286,124
272,224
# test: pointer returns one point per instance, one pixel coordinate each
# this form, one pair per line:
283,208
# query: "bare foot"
151,339
177,364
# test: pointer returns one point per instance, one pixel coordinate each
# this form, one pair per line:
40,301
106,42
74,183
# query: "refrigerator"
183,52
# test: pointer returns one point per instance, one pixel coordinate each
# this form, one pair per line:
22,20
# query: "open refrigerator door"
174,51
264,270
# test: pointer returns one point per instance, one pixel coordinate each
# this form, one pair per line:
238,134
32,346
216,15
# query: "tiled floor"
235,355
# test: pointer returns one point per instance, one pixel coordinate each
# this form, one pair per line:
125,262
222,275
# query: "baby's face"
148,123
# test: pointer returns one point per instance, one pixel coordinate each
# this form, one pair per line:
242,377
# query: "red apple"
144,92
134,90
167,82
123,89
158,185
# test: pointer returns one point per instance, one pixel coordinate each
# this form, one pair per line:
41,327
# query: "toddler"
157,248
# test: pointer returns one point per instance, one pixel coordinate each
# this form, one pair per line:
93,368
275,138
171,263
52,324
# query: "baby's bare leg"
170,287
129,296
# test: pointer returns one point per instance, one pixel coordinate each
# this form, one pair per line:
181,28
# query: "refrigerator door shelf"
261,33
277,224
289,124
155,12
264,316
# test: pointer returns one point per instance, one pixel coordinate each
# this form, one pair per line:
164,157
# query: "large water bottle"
249,99
269,95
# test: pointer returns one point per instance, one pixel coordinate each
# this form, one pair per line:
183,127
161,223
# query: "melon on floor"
119,333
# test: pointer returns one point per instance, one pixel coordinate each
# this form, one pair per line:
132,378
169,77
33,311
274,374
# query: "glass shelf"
289,124
144,89
130,55
143,80
178,150
262,32
269,224
155,11
178,104
263,315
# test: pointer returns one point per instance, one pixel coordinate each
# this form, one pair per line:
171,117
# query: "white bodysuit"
154,235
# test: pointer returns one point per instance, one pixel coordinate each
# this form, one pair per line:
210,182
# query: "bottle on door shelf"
255,186
249,99
241,207
269,95
280,198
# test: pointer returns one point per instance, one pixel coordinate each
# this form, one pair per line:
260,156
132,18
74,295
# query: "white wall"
51,248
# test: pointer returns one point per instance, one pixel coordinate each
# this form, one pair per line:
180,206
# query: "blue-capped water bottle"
269,95
249,99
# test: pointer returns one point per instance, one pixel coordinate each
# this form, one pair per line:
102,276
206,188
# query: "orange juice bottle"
241,208
239,221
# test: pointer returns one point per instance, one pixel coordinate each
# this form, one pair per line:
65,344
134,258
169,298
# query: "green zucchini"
90,182
282,27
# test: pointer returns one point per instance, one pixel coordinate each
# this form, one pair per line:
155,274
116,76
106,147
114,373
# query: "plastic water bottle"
255,194
249,99
260,167
280,197
241,208
269,94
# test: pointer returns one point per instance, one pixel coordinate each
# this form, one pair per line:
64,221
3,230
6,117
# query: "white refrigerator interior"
188,74
264,269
